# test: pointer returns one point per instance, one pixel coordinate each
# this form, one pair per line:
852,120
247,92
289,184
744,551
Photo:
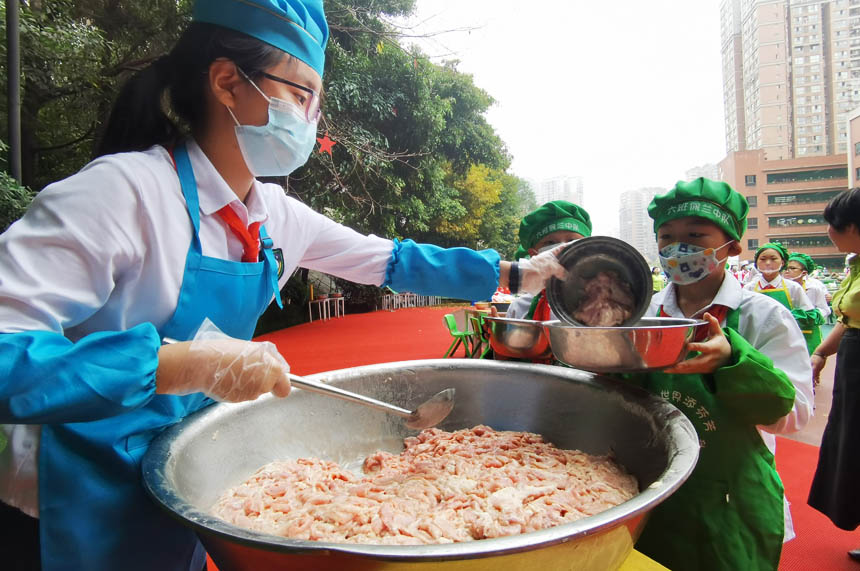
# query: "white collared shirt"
799,299
520,307
769,327
105,250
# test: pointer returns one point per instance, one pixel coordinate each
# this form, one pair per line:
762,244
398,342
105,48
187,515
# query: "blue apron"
94,513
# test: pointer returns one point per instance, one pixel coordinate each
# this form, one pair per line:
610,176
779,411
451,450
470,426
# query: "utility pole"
13,74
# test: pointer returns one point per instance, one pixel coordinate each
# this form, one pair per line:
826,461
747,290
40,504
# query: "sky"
626,94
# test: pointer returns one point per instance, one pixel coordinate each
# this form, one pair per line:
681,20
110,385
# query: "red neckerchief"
542,311
250,236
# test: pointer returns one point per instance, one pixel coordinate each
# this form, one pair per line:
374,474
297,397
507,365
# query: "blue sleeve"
47,379
426,269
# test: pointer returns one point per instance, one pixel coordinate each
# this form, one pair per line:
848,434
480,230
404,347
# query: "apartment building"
568,188
636,227
791,78
787,200
791,75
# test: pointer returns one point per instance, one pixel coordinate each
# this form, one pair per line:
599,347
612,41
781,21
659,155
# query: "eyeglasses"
793,269
310,102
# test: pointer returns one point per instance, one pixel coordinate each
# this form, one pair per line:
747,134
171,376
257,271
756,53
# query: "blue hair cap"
297,27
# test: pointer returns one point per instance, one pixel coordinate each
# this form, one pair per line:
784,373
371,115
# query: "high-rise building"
791,75
636,227
568,188
853,129
708,170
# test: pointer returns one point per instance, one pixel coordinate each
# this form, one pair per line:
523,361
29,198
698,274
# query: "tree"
74,56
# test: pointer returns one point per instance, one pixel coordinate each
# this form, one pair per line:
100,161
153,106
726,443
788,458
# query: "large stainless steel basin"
190,464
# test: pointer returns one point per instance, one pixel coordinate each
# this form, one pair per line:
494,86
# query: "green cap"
780,249
709,199
804,259
552,217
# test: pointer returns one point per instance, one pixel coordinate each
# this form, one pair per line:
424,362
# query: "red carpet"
418,333
364,339
819,544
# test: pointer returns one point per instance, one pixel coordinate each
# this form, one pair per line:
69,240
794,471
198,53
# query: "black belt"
851,332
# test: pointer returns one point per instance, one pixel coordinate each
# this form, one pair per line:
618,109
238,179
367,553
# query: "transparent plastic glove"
536,271
224,368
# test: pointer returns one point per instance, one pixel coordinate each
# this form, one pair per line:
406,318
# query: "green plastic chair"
460,337
481,341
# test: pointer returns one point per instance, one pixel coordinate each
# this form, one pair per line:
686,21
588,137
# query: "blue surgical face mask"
687,264
280,146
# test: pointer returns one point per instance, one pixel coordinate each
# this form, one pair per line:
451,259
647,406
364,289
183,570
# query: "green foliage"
409,134
14,198
75,54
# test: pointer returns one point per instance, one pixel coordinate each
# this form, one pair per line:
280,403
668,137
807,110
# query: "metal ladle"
428,414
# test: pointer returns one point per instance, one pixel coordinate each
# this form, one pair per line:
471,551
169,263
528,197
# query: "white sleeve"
775,333
60,262
519,307
818,298
798,297
335,249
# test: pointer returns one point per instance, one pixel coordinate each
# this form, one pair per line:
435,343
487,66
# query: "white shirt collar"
214,193
775,282
729,294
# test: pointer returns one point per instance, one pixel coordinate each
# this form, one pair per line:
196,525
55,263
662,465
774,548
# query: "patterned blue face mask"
280,146
687,264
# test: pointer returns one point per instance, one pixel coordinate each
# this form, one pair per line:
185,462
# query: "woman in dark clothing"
835,491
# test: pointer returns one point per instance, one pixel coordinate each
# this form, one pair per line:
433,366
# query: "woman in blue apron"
167,229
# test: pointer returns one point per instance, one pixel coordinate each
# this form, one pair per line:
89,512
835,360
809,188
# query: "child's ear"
735,248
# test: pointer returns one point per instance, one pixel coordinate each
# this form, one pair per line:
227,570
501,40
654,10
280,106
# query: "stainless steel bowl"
652,343
584,259
192,463
518,338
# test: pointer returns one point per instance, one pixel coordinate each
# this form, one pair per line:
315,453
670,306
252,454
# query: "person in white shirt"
771,259
798,269
746,379
168,231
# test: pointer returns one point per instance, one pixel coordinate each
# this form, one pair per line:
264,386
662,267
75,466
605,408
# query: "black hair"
139,118
843,210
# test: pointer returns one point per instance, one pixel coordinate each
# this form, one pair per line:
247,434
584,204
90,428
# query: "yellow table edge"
638,562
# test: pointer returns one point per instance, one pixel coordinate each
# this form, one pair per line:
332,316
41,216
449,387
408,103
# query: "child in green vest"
748,377
799,268
771,260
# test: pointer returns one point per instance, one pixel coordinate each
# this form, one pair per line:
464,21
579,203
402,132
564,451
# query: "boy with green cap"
798,269
771,259
747,373
549,225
